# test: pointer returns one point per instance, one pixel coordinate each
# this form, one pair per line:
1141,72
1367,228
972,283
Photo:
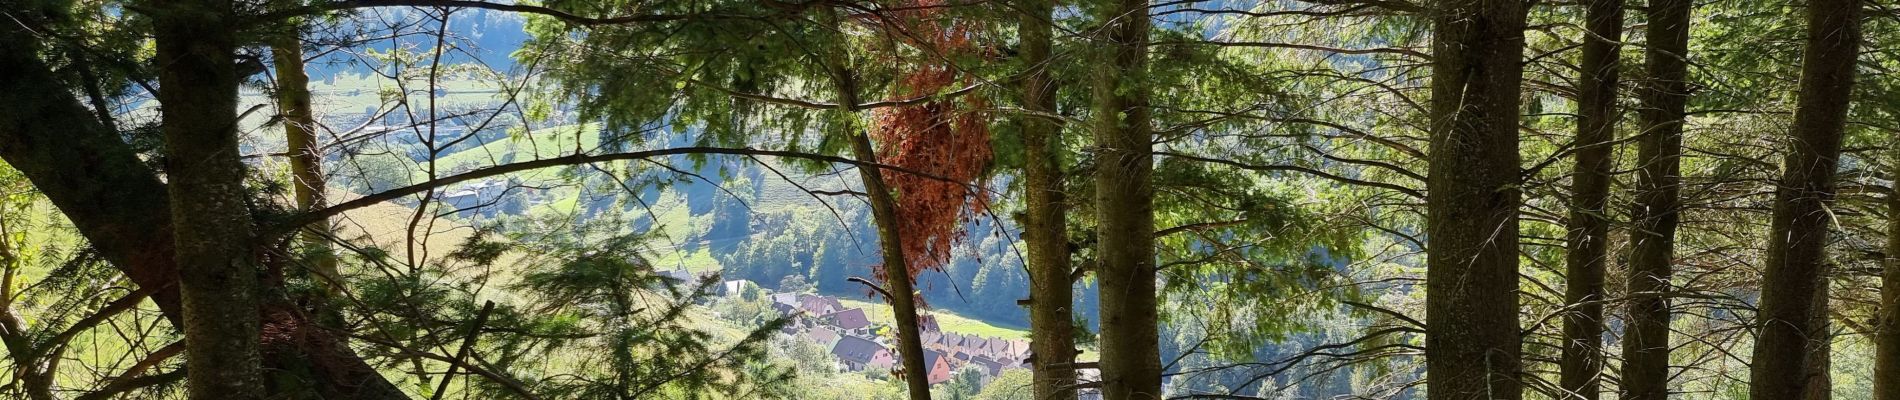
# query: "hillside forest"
950,199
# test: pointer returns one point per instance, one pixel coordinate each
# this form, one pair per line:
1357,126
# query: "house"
859,354
734,287
819,305
938,366
990,366
852,320
680,276
822,336
952,341
998,347
977,345
931,340
478,198
1008,351
784,310
788,299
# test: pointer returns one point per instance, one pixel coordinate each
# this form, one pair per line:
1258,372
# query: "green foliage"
746,310
794,283
61,300
644,321
964,383
613,72
1013,384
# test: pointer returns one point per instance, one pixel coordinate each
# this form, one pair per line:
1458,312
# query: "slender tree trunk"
1589,230
897,283
306,157
1051,292
910,347
1471,282
1124,202
1887,336
212,224
1799,229
1664,93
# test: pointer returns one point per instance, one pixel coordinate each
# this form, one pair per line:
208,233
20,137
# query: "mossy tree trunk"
1124,202
211,222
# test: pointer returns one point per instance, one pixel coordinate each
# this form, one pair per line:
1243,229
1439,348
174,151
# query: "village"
857,344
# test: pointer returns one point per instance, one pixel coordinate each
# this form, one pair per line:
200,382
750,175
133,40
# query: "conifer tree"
1795,269
1473,345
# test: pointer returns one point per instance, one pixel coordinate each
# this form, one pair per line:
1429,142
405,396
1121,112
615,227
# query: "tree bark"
1589,224
212,224
1472,344
86,170
117,203
1051,292
1124,202
1821,356
1887,335
897,279
1799,229
1664,93
306,157
910,347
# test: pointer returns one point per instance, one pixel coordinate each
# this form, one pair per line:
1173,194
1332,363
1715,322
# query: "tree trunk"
1821,356
1124,202
1472,344
1887,336
306,157
1051,292
897,279
98,182
1664,93
1589,225
1799,229
212,224
896,275
86,170
910,347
